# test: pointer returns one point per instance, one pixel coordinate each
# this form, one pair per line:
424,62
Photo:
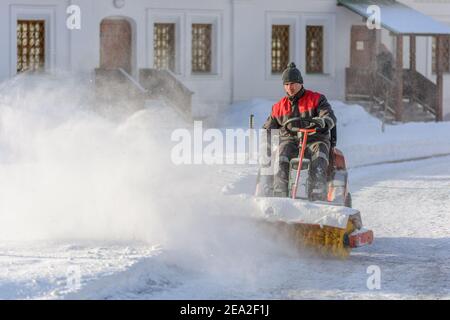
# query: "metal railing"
163,83
377,87
383,92
358,82
421,90
137,85
117,89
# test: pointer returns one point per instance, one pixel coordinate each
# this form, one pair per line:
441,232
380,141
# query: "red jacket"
306,104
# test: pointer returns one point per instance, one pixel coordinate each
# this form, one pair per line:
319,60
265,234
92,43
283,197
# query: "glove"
324,122
320,122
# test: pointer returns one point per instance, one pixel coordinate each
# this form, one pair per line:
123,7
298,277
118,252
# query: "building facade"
222,50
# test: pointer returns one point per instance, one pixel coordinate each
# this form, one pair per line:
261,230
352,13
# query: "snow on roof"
398,18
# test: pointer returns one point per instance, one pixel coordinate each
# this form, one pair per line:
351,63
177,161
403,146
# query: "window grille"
446,54
164,46
30,45
201,47
280,47
314,49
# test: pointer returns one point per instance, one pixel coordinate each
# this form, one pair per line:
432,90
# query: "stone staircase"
413,111
118,94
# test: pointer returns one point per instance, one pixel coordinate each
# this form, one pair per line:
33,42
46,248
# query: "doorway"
363,44
116,44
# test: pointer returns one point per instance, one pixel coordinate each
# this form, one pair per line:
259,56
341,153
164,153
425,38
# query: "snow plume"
67,173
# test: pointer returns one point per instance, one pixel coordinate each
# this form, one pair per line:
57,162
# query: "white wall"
79,50
57,44
252,39
242,30
4,41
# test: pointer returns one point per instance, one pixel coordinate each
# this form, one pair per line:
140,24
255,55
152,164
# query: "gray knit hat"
292,74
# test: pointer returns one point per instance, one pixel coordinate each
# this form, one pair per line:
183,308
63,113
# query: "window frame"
327,21
40,68
174,53
32,12
271,49
215,19
208,28
176,17
280,18
307,71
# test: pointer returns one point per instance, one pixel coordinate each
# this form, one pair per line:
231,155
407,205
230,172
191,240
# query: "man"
305,104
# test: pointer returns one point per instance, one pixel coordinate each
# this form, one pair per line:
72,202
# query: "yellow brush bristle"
327,241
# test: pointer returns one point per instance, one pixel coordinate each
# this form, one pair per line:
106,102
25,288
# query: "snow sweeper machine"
332,227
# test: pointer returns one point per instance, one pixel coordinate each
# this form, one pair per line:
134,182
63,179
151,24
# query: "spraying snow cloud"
67,172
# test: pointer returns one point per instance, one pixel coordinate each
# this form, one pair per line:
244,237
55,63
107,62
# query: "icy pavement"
48,270
121,222
407,206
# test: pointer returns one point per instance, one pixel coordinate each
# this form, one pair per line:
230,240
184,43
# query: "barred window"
280,47
201,47
164,46
446,54
314,49
30,45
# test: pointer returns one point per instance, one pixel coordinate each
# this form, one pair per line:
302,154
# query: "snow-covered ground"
92,209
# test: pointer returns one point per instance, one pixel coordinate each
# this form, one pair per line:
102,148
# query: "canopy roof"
398,18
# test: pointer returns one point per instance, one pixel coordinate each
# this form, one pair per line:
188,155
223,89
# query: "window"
164,46
30,45
314,49
201,48
280,47
446,55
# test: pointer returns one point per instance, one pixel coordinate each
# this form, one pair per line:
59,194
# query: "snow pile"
362,140
238,113
286,210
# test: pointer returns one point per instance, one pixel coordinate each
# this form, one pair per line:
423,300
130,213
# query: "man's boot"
288,150
318,185
318,192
